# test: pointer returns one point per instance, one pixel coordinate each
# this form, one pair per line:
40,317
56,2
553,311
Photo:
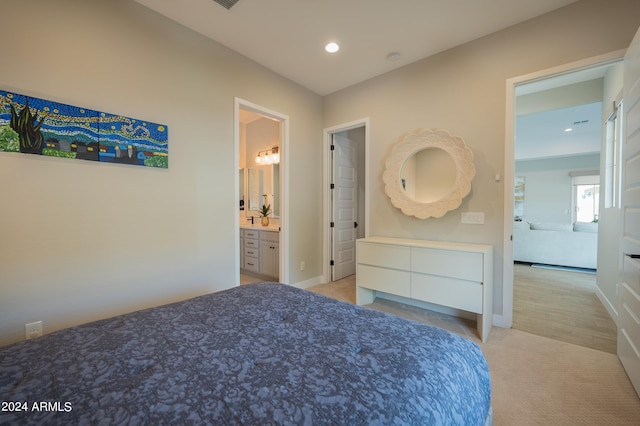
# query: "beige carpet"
540,381
535,380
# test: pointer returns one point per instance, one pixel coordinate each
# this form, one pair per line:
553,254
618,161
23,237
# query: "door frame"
326,193
506,320
284,182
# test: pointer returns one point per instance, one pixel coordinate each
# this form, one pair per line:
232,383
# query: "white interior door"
345,202
629,307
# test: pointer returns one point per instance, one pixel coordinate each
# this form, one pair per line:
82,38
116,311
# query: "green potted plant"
264,213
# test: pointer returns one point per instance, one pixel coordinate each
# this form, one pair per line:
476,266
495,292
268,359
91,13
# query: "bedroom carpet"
536,380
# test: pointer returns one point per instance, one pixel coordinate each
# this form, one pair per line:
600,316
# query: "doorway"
260,145
345,196
544,80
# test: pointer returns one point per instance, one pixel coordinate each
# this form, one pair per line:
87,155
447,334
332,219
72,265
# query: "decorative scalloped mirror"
428,173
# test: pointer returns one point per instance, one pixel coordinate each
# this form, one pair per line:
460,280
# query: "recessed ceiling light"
332,47
568,129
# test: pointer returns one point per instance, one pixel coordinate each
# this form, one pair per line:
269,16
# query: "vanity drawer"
251,244
387,280
252,264
386,255
448,263
251,233
459,294
269,236
251,252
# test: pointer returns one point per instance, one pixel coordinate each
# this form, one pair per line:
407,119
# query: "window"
586,198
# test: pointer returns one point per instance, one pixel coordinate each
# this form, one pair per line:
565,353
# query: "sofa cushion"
585,227
551,226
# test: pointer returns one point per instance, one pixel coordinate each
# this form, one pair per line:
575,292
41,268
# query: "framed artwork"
37,126
518,197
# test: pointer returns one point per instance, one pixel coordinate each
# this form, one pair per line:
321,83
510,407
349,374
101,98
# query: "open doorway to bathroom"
261,193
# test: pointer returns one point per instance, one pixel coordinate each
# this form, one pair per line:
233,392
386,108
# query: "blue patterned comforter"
259,354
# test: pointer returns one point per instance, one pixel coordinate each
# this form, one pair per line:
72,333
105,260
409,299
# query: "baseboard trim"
498,321
611,310
309,283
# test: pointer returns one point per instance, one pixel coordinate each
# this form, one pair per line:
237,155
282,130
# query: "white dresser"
456,275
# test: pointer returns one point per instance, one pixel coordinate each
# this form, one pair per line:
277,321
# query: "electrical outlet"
33,329
302,265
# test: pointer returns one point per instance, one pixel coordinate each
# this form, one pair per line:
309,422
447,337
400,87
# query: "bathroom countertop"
258,226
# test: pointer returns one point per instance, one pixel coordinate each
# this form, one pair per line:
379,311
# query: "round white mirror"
428,173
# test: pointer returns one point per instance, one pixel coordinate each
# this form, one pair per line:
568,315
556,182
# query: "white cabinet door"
269,258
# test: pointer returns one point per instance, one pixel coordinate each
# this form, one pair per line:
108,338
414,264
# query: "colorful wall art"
518,198
36,126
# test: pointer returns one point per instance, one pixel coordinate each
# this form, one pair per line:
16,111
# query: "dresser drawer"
447,263
387,280
384,255
459,294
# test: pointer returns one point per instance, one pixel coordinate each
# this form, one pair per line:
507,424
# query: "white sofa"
556,244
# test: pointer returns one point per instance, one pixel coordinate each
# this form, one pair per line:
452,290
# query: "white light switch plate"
475,218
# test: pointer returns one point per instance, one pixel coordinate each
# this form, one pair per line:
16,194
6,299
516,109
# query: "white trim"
326,177
498,321
284,182
310,282
509,160
613,312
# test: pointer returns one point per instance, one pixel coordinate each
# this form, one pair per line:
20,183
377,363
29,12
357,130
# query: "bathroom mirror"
255,189
263,180
428,173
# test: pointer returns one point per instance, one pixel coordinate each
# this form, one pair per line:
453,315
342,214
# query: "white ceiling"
288,36
542,134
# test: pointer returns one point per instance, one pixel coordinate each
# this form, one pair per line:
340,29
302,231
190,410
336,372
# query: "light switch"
475,218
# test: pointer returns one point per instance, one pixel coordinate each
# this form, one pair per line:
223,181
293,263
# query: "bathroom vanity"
260,251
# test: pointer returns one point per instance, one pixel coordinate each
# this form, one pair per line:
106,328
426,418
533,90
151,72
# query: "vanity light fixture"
268,156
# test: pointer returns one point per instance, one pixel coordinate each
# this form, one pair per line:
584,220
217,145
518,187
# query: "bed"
258,354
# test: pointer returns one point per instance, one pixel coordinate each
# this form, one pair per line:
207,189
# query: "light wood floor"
556,304
563,306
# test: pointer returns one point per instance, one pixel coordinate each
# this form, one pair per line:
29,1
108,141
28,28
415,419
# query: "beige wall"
463,90
549,186
81,240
